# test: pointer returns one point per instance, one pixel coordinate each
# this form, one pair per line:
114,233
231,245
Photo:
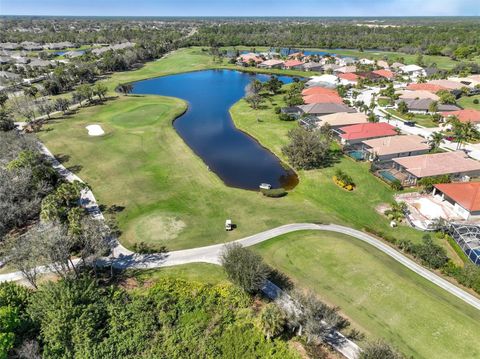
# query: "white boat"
265,186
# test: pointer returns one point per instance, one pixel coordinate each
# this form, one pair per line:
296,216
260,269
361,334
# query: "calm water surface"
208,128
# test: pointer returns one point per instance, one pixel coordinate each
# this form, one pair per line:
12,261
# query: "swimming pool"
388,176
357,155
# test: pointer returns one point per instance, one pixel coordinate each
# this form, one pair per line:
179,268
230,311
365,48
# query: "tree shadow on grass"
75,168
62,158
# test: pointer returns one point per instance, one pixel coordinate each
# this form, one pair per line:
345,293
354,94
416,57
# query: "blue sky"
241,7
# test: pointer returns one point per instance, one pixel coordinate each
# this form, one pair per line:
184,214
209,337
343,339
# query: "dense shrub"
274,192
343,180
286,117
173,319
244,267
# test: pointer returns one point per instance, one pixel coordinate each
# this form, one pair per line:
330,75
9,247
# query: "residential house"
456,164
296,56
370,76
73,54
319,91
10,46
467,115
319,109
464,197
385,73
271,64
59,45
448,84
383,64
417,94
293,65
330,67
346,69
413,70
422,106
366,62
345,61
397,65
342,119
326,80
313,66
31,46
6,60
348,78
322,98
386,148
355,134
425,87
466,81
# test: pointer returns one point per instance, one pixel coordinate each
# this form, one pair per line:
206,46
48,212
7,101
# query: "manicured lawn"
380,296
422,120
467,102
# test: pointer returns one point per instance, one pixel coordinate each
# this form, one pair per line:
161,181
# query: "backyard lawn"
467,102
422,120
381,297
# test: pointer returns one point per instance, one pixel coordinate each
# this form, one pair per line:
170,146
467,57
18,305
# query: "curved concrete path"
211,254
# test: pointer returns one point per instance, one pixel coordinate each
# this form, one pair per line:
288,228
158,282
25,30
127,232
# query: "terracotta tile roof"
438,164
367,130
385,73
322,98
426,87
348,76
468,115
319,91
397,144
291,63
466,194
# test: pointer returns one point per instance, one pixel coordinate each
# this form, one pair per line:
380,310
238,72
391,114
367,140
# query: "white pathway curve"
211,254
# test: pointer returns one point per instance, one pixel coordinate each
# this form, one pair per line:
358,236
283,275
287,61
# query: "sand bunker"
95,130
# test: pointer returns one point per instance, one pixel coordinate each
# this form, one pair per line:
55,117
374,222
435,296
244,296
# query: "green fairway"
381,297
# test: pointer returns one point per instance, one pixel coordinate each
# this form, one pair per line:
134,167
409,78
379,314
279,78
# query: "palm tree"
436,139
272,320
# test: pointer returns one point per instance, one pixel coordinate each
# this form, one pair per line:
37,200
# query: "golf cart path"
211,254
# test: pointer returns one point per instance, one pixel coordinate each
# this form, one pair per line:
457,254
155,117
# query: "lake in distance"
238,159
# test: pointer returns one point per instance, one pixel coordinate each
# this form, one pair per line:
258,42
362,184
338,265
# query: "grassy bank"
380,296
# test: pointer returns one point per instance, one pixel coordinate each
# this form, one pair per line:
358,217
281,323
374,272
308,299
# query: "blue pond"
207,127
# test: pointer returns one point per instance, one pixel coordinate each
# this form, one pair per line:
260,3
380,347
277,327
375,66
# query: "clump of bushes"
430,253
286,117
396,212
343,180
274,192
396,185
476,102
